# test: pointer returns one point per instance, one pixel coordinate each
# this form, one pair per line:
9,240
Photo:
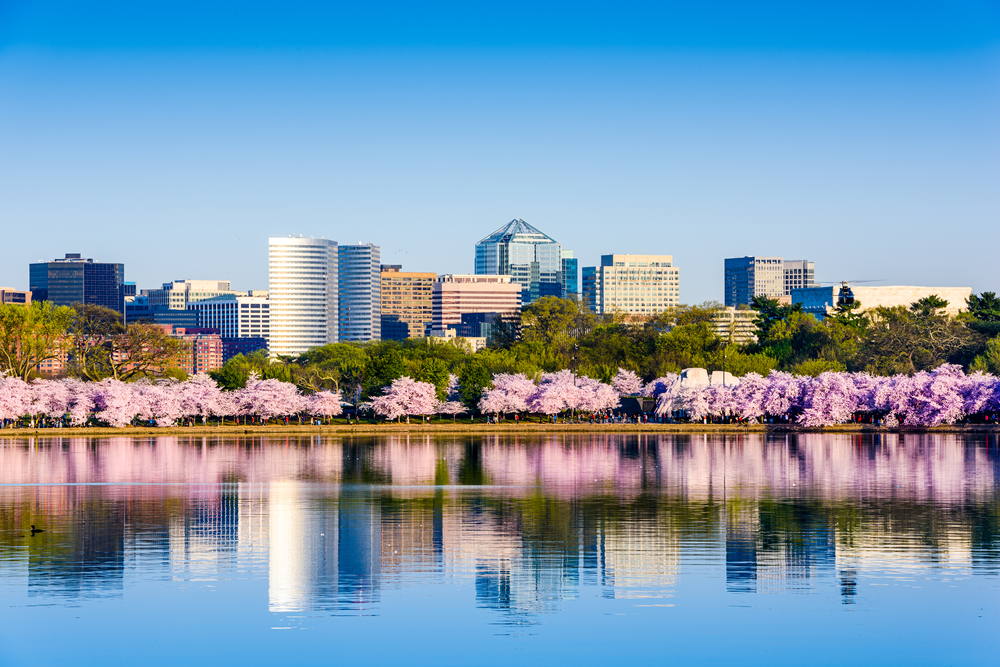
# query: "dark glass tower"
77,280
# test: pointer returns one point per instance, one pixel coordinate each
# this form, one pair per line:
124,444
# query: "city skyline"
848,134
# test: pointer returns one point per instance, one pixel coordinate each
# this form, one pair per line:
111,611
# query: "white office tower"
360,289
302,289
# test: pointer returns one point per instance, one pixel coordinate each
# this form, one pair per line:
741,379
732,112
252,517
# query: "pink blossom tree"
828,399
405,396
200,396
509,393
627,383
15,398
556,392
596,396
115,402
326,404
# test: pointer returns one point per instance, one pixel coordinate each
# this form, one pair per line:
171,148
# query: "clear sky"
177,136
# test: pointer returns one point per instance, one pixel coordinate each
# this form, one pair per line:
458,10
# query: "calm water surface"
577,549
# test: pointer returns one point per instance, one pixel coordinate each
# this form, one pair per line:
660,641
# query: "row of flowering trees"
944,395
120,404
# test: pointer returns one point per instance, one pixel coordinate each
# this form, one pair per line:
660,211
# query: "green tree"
928,305
430,370
385,364
30,335
985,307
473,378
901,340
989,360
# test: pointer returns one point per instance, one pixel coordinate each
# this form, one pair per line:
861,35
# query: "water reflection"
527,524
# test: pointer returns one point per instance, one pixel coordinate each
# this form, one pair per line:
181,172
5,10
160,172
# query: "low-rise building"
11,295
822,301
736,324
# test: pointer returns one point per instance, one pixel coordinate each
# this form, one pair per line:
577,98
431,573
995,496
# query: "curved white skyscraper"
302,285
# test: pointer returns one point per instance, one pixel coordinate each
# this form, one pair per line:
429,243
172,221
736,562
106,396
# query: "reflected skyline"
333,524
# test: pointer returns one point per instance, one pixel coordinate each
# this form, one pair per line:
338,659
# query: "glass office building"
76,280
532,258
360,288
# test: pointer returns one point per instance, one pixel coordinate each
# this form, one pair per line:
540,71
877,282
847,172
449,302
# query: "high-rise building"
532,258
773,277
455,295
302,287
407,303
799,274
634,284
77,280
570,275
236,316
360,289
178,294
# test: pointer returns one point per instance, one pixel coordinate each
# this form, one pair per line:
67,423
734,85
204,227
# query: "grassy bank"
443,427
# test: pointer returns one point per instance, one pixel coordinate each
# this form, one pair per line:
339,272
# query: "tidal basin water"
497,550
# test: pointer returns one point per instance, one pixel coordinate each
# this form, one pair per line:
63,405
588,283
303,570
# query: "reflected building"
324,553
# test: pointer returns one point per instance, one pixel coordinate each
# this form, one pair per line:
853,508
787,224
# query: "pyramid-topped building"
531,257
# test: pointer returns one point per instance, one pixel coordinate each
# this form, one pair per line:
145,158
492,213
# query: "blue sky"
175,138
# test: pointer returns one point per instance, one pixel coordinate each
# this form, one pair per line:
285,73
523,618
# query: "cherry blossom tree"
627,383
659,385
406,396
326,404
200,396
596,396
115,402
510,393
828,399
50,398
556,392
15,398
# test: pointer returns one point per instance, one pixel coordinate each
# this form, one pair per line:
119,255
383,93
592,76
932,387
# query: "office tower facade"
773,277
236,316
178,294
455,295
360,288
570,275
633,284
799,274
76,280
407,302
532,258
302,287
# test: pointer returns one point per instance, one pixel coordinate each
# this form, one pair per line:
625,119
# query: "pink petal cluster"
627,383
405,396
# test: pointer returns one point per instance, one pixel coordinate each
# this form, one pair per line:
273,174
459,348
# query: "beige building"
455,295
11,295
407,302
634,284
178,294
735,324
821,301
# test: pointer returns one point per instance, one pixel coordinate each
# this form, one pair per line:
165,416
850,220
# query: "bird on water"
36,530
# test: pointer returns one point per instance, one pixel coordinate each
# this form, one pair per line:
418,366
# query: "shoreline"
486,429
